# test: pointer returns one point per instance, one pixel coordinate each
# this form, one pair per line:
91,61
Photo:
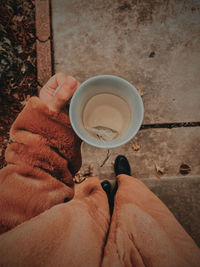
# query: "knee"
88,188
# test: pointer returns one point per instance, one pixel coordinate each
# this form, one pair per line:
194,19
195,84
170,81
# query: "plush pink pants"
141,232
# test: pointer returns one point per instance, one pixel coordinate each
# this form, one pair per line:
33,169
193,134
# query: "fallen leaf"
5,141
15,95
79,178
136,146
160,170
23,68
140,91
184,169
25,100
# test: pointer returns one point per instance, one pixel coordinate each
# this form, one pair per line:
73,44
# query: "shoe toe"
106,186
121,165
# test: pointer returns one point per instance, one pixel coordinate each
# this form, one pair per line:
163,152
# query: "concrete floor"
117,37
165,148
155,46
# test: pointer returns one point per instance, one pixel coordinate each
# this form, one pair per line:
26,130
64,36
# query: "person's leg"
144,232
37,228
68,234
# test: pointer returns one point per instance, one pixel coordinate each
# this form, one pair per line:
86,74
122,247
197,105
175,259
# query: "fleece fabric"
47,221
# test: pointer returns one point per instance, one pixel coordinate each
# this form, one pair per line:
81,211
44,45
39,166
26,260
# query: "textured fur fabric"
39,229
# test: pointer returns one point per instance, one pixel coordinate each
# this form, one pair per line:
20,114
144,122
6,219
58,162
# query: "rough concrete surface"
42,20
44,71
118,37
164,148
43,43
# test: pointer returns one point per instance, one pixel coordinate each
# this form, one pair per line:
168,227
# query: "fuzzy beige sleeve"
44,155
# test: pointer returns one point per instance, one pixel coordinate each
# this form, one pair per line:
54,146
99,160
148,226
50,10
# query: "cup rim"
106,144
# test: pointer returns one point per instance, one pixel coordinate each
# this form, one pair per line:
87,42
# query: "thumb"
64,92
66,89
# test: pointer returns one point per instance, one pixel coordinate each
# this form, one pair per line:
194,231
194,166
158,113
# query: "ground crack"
170,125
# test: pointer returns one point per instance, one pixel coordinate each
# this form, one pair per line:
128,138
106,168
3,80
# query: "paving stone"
42,19
44,71
160,148
152,44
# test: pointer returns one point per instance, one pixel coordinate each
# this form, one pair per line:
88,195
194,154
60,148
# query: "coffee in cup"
106,116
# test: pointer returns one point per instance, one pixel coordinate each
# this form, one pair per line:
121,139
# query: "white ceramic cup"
112,85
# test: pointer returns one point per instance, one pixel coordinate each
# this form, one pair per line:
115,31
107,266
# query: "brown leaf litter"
80,176
140,91
136,146
184,169
160,170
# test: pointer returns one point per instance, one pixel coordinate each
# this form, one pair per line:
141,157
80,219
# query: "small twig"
107,157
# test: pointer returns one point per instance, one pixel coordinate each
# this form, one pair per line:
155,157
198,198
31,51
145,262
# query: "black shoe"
121,165
106,187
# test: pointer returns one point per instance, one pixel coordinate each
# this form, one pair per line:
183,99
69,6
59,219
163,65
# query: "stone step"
161,150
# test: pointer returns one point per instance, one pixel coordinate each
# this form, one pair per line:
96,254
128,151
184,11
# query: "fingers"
69,84
58,90
67,89
65,93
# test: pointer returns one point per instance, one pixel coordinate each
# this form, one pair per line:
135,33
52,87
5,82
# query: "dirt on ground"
18,73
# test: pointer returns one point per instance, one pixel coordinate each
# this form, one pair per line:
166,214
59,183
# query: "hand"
56,101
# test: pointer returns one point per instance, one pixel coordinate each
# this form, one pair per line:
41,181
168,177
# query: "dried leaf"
86,173
25,100
79,178
15,95
160,170
136,146
23,68
184,169
140,91
5,141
